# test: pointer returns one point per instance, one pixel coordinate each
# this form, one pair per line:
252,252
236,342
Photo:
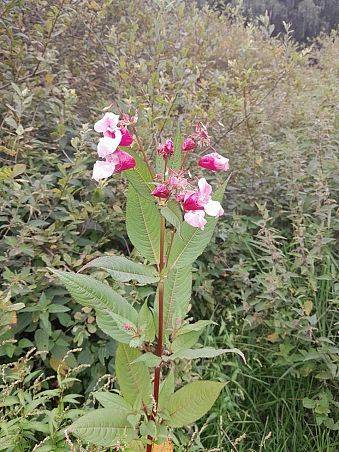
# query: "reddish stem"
159,350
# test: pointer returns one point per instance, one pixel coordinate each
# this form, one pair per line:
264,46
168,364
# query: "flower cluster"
115,133
196,202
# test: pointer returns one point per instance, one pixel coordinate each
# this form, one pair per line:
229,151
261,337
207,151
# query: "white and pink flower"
114,134
198,203
214,162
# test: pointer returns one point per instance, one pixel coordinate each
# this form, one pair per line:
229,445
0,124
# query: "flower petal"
102,170
205,190
110,120
213,208
195,218
107,145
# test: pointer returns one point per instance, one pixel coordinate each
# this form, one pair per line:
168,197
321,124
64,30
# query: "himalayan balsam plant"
170,218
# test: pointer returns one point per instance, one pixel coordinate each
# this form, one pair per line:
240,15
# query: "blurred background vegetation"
269,278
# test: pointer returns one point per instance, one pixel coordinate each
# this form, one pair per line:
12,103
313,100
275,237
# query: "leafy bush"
273,114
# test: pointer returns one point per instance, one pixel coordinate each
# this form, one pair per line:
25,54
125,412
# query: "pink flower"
196,218
122,160
102,169
108,123
205,191
196,204
161,191
166,149
214,162
188,145
107,145
127,326
201,135
214,208
127,138
176,180
192,202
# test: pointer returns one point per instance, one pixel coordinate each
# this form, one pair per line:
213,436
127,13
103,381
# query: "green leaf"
177,295
149,359
176,159
133,379
166,389
205,352
143,224
146,323
191,402
111,400
189,334
142,213
308,403
192,242
173,214
135,446
103,427
90,292
124,270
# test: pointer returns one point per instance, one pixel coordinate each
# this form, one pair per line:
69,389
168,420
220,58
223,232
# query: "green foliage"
123,270
111,308
103,427
133,377
192,401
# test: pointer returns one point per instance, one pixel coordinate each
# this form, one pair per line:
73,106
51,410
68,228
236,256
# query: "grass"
263,411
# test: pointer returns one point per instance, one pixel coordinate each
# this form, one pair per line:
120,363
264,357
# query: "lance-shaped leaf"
124,270
111,400
103,427
143,224
177,295
149,359
142,213
205,352
191,402
133,378
90,292
173,214
166,389
192,241
188,335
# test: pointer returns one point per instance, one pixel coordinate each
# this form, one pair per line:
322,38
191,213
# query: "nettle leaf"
111,400
142,213
192,241
205,352
133,378
88,291
191,402
166,389
177,295
124,270
103,427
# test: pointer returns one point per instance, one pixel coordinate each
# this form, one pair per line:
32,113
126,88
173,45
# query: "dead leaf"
308,306
272,337
165,447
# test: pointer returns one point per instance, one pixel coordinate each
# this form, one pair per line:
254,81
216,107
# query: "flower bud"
188,145
161,191
167,149
123,161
